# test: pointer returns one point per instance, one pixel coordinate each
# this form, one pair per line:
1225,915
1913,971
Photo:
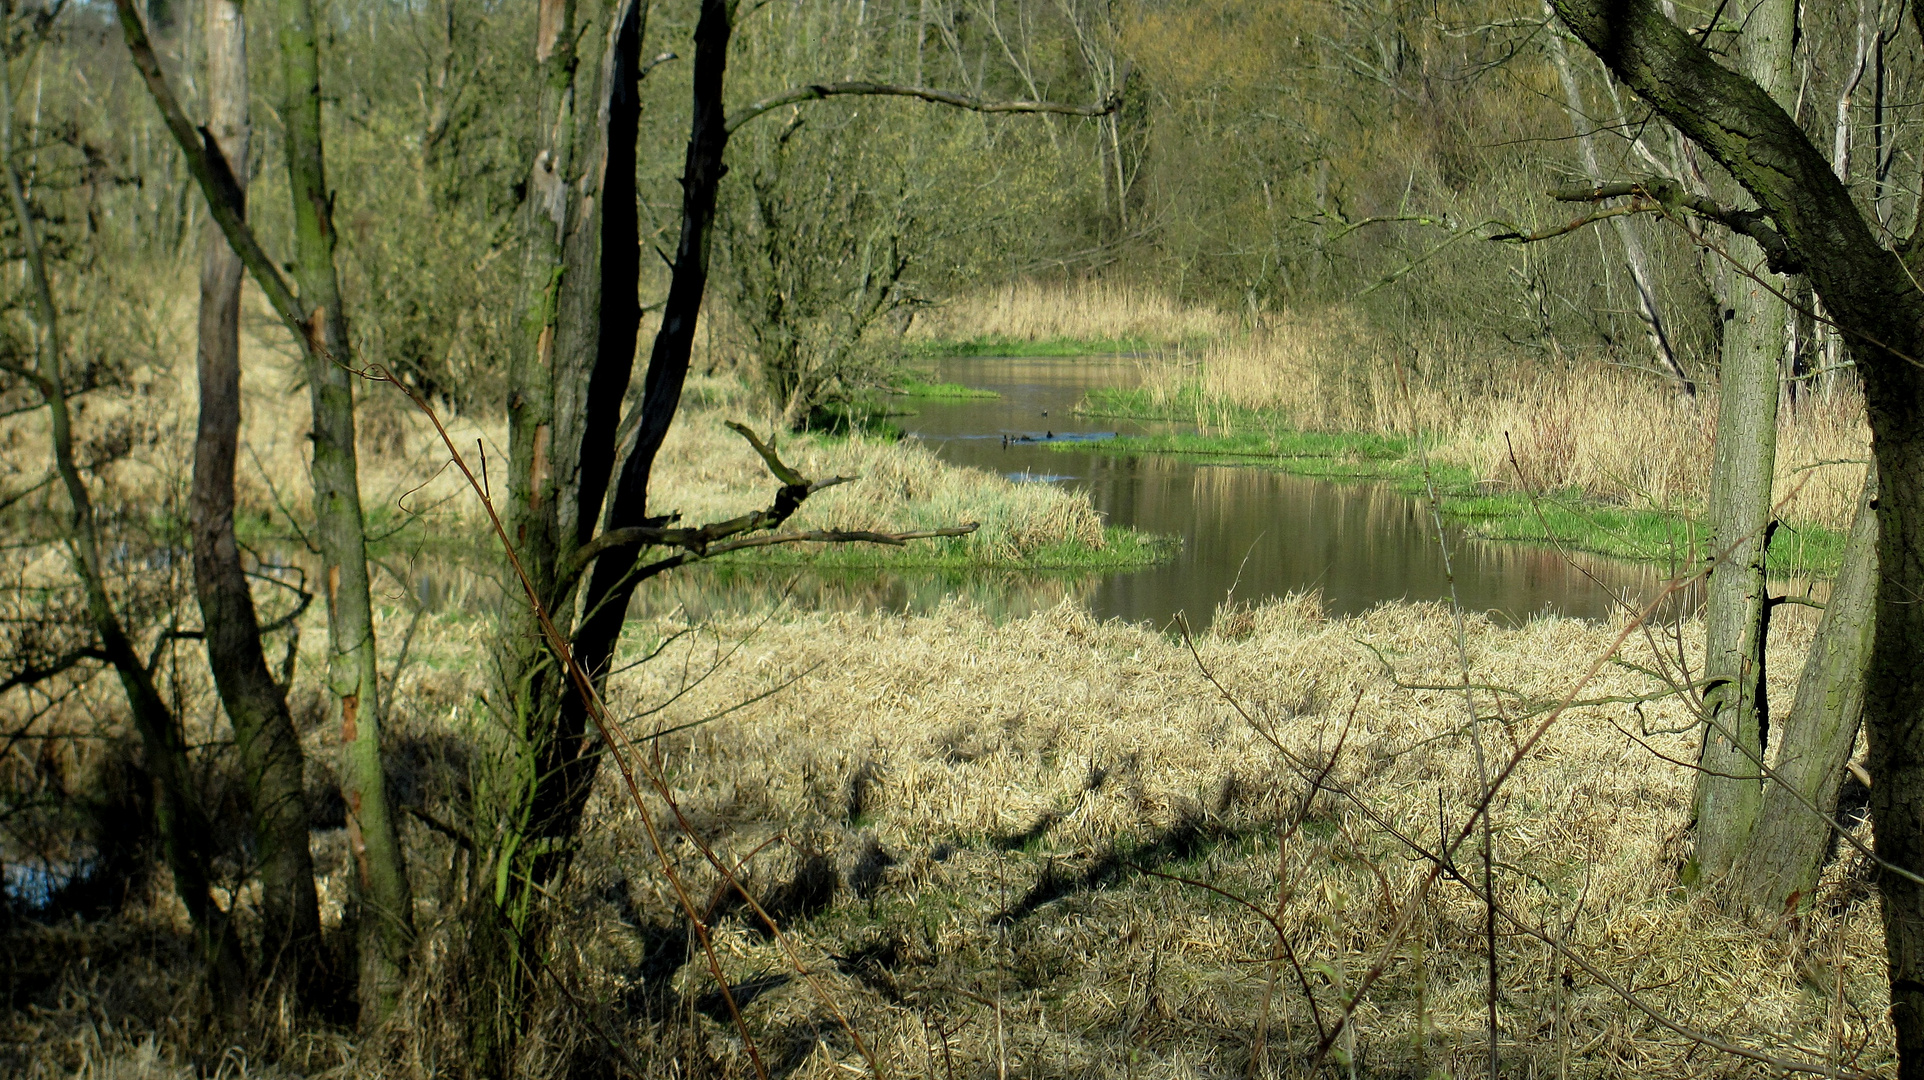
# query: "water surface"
1247,534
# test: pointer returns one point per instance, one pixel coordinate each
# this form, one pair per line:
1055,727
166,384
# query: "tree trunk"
1781,863
1730,786
1872,293
384,906
255,704
181,822
581,281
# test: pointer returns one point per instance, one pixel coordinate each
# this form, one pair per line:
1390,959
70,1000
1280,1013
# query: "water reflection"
1249,533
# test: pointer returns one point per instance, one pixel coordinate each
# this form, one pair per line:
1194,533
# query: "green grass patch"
1565,519
916,388
1123,548
996,345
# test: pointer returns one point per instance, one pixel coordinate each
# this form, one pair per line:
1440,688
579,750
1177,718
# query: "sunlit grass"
917,388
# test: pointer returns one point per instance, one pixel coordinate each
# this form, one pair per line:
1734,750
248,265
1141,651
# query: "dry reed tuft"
1078,310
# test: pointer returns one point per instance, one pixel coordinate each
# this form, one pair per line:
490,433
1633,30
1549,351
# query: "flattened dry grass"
956,821
990,797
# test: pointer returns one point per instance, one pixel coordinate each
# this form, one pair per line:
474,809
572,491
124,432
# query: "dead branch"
1670,195
715,538
818,91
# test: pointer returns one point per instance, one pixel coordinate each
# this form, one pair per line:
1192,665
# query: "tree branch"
1515,235
33,673
1668,194
705,541
818,91
225,202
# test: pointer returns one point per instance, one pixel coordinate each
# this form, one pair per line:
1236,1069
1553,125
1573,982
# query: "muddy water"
1248,534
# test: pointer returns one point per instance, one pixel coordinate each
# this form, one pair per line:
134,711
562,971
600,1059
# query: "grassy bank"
418,506
1570,517
916,388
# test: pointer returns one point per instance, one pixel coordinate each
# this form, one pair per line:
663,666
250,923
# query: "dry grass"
948,732
975,797
1079,310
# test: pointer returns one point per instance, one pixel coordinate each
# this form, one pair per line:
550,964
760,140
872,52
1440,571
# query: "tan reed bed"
952,771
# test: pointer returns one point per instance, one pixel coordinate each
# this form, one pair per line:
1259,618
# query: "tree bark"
1730,786
384,906
1785,856
581,282
1872,294
256,706
181,821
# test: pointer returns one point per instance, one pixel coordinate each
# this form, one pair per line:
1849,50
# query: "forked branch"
212,172
718,537
1662,195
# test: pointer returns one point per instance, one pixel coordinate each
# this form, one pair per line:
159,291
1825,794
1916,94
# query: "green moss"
1671,536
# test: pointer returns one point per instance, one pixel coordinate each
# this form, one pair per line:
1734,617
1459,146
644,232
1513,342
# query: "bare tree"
181,820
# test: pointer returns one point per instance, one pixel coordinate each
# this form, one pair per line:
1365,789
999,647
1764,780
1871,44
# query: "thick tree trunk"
1872,293
181,822
1781,863
581,282
1730,786
270,748
385,908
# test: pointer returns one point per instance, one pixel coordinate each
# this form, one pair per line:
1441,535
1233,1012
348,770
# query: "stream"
1250,534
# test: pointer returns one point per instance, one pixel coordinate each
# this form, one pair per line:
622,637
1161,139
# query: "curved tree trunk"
1730,787
1872,294
385,907
255,704
1785,855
